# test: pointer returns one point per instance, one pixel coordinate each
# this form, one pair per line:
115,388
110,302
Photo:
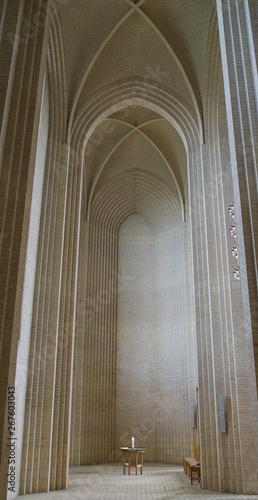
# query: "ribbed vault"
118,43
136,191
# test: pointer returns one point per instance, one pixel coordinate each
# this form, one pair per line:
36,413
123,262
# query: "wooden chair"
194,472
191,461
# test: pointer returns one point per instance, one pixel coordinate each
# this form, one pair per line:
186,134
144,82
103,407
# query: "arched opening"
135,313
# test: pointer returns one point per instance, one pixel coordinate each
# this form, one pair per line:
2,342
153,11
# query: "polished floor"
158,481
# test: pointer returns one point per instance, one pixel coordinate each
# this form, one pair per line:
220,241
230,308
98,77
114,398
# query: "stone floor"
158,481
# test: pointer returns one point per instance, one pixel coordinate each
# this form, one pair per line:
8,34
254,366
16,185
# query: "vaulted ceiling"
147,44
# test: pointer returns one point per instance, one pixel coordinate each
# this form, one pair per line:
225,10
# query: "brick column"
238,42
22,62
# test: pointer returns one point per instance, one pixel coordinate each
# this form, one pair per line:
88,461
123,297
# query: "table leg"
136,461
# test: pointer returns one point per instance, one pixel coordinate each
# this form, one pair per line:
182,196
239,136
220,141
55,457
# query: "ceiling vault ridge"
180,65
138,85
136,5
100,170
148,122
130,94
99,51
131,132
168,47
180,193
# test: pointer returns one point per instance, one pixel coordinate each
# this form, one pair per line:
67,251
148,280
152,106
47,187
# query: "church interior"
128,238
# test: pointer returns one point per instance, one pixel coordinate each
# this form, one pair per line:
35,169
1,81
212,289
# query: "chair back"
197,453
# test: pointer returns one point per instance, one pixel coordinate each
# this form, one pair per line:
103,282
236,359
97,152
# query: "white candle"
132,442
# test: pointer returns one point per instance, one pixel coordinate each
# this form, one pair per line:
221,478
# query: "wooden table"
138,461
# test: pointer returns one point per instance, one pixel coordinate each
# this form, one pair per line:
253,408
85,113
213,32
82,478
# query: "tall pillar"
48,401
238,41
23,40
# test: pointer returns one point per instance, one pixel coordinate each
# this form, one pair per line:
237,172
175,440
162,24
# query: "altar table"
135,454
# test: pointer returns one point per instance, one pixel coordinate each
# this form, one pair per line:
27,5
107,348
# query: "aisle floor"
158,481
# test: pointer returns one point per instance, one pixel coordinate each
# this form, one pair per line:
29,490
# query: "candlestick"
132,442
